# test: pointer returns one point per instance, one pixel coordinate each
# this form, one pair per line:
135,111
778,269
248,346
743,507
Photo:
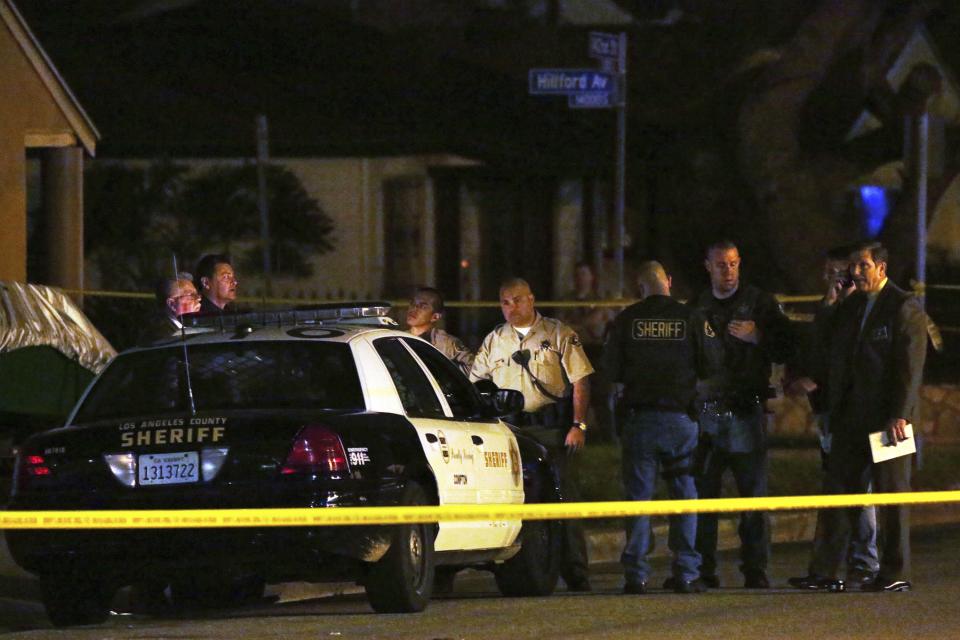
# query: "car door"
493,447
446,445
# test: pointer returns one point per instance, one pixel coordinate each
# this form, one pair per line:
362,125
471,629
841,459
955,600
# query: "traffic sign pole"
621,170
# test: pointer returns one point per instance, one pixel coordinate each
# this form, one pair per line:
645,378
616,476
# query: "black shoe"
711,581
882,584
858,579
635,588
756,580
816,583
580,585
689,586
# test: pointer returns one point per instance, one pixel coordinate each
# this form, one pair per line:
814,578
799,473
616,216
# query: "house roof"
82,125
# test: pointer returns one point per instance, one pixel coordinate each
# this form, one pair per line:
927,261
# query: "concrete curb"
606,546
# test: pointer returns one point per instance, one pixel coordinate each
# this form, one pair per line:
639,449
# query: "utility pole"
621,171
263,157
923,136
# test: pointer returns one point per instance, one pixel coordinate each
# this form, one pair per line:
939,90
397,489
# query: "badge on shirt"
708,330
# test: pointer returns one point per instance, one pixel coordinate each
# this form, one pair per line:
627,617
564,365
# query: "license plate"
168,468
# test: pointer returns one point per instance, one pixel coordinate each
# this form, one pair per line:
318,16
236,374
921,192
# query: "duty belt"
733,404
658,405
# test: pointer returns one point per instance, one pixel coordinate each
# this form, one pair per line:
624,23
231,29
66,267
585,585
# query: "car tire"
73,600
535,569
402,580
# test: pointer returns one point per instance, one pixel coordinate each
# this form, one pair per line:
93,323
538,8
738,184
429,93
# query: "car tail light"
27,467
35,466
317,450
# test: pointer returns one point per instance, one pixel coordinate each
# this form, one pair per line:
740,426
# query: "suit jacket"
874,374
159,326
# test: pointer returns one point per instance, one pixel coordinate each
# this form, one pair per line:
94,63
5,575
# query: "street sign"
591,100
604,45
570,81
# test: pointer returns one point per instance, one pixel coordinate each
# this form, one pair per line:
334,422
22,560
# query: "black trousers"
549,427
851,470
750,474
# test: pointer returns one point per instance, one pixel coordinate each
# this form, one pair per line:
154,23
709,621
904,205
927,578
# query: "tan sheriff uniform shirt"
556,359
452,347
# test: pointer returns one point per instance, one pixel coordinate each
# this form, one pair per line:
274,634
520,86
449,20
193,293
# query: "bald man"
653,350
544,360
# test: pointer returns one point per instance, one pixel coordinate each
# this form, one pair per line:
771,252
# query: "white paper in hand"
881,449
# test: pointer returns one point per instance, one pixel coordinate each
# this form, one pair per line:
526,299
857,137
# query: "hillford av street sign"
570,81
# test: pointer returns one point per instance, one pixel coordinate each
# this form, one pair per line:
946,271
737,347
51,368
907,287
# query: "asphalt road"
476,611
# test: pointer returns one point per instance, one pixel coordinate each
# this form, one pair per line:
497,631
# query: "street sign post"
605,88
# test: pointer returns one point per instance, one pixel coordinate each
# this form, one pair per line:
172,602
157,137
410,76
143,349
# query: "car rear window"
227,376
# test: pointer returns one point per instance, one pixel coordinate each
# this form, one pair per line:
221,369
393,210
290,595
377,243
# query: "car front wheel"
402,580
536,567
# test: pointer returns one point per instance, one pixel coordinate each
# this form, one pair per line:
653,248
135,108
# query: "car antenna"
183,341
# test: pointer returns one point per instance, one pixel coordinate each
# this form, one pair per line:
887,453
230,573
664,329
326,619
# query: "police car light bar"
373,312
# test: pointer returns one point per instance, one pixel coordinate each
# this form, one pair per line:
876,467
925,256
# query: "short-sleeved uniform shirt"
452,347
557,360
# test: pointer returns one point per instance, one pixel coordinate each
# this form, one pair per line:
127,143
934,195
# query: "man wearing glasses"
176,297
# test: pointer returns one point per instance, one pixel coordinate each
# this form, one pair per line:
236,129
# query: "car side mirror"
507,401
499,402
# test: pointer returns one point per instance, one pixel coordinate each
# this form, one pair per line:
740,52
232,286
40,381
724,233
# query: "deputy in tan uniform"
423,315
543,359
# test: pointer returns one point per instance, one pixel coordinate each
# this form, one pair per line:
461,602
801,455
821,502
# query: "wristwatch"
580,425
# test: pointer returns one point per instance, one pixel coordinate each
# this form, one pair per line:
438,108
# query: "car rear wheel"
536,567
72,600
402,581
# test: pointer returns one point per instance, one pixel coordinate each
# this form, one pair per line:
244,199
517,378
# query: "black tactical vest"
652,351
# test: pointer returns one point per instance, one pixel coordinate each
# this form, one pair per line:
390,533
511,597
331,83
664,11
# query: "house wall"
351,192
26,109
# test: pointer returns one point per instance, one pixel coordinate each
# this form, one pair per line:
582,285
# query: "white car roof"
329,323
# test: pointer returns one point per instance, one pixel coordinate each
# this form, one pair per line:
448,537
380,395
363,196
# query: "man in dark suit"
876,341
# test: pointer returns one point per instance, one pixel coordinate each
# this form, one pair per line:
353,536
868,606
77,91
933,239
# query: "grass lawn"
793,471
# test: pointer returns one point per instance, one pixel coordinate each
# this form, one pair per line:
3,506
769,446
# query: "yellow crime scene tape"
314,517
460,304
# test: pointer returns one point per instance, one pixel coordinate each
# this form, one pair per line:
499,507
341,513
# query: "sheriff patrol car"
324,407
